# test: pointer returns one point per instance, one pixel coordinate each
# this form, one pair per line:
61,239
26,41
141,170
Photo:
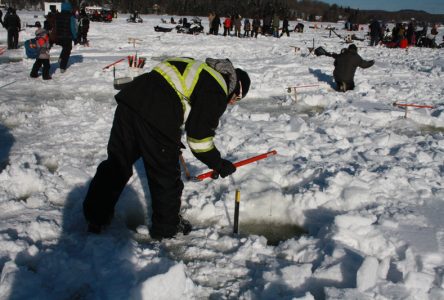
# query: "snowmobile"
134,19
195,27
162,29
426,42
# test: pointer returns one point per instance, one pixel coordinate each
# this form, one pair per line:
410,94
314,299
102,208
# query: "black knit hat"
353,47
244,80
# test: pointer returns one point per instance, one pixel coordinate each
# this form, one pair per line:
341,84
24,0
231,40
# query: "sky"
431,6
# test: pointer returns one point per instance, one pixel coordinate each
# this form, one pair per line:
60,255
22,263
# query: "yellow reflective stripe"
219,78
174,80
172,75
182,81
199,146
184,84
191,76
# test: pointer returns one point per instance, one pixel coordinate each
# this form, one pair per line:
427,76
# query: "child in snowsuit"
42,38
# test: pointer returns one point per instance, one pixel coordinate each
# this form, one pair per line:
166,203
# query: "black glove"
226,168
319,51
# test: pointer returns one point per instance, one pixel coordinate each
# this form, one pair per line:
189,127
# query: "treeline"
310,10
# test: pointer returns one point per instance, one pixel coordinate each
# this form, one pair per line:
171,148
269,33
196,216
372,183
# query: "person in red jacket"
227,25
147,124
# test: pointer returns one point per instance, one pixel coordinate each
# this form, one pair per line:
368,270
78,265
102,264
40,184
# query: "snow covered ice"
363,181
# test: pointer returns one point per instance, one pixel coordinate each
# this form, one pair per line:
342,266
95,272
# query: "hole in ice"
311,110
274,233
7,60
431,129
281,105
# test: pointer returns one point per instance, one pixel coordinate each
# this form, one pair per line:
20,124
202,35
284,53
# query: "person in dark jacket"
375,32
13,25
66,33
410,34
1,18
256,26
285,25
83,28
147,124
346,64
215,25
51,25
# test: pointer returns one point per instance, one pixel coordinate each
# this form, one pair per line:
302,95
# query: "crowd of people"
236,25
403,35
59,28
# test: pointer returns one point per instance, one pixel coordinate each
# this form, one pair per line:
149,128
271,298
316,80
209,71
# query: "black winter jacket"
151,96
11,21
63,26
346,64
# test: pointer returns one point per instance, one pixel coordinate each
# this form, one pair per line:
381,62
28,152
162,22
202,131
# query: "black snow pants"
65,53
36,67
13,35
343,86
131,138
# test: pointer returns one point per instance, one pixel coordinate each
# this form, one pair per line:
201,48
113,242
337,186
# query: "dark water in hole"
7,60
274,233
431,129
279,105
419,130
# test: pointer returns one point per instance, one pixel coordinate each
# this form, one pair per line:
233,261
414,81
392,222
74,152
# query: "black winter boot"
184,226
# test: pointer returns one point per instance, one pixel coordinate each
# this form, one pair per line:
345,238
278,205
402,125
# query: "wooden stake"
236,212
184,166
134,41
295,88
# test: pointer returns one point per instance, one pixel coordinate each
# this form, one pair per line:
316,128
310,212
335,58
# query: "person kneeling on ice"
346,64
42,38
147,123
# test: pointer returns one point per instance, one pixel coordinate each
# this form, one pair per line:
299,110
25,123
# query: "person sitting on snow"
346,64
